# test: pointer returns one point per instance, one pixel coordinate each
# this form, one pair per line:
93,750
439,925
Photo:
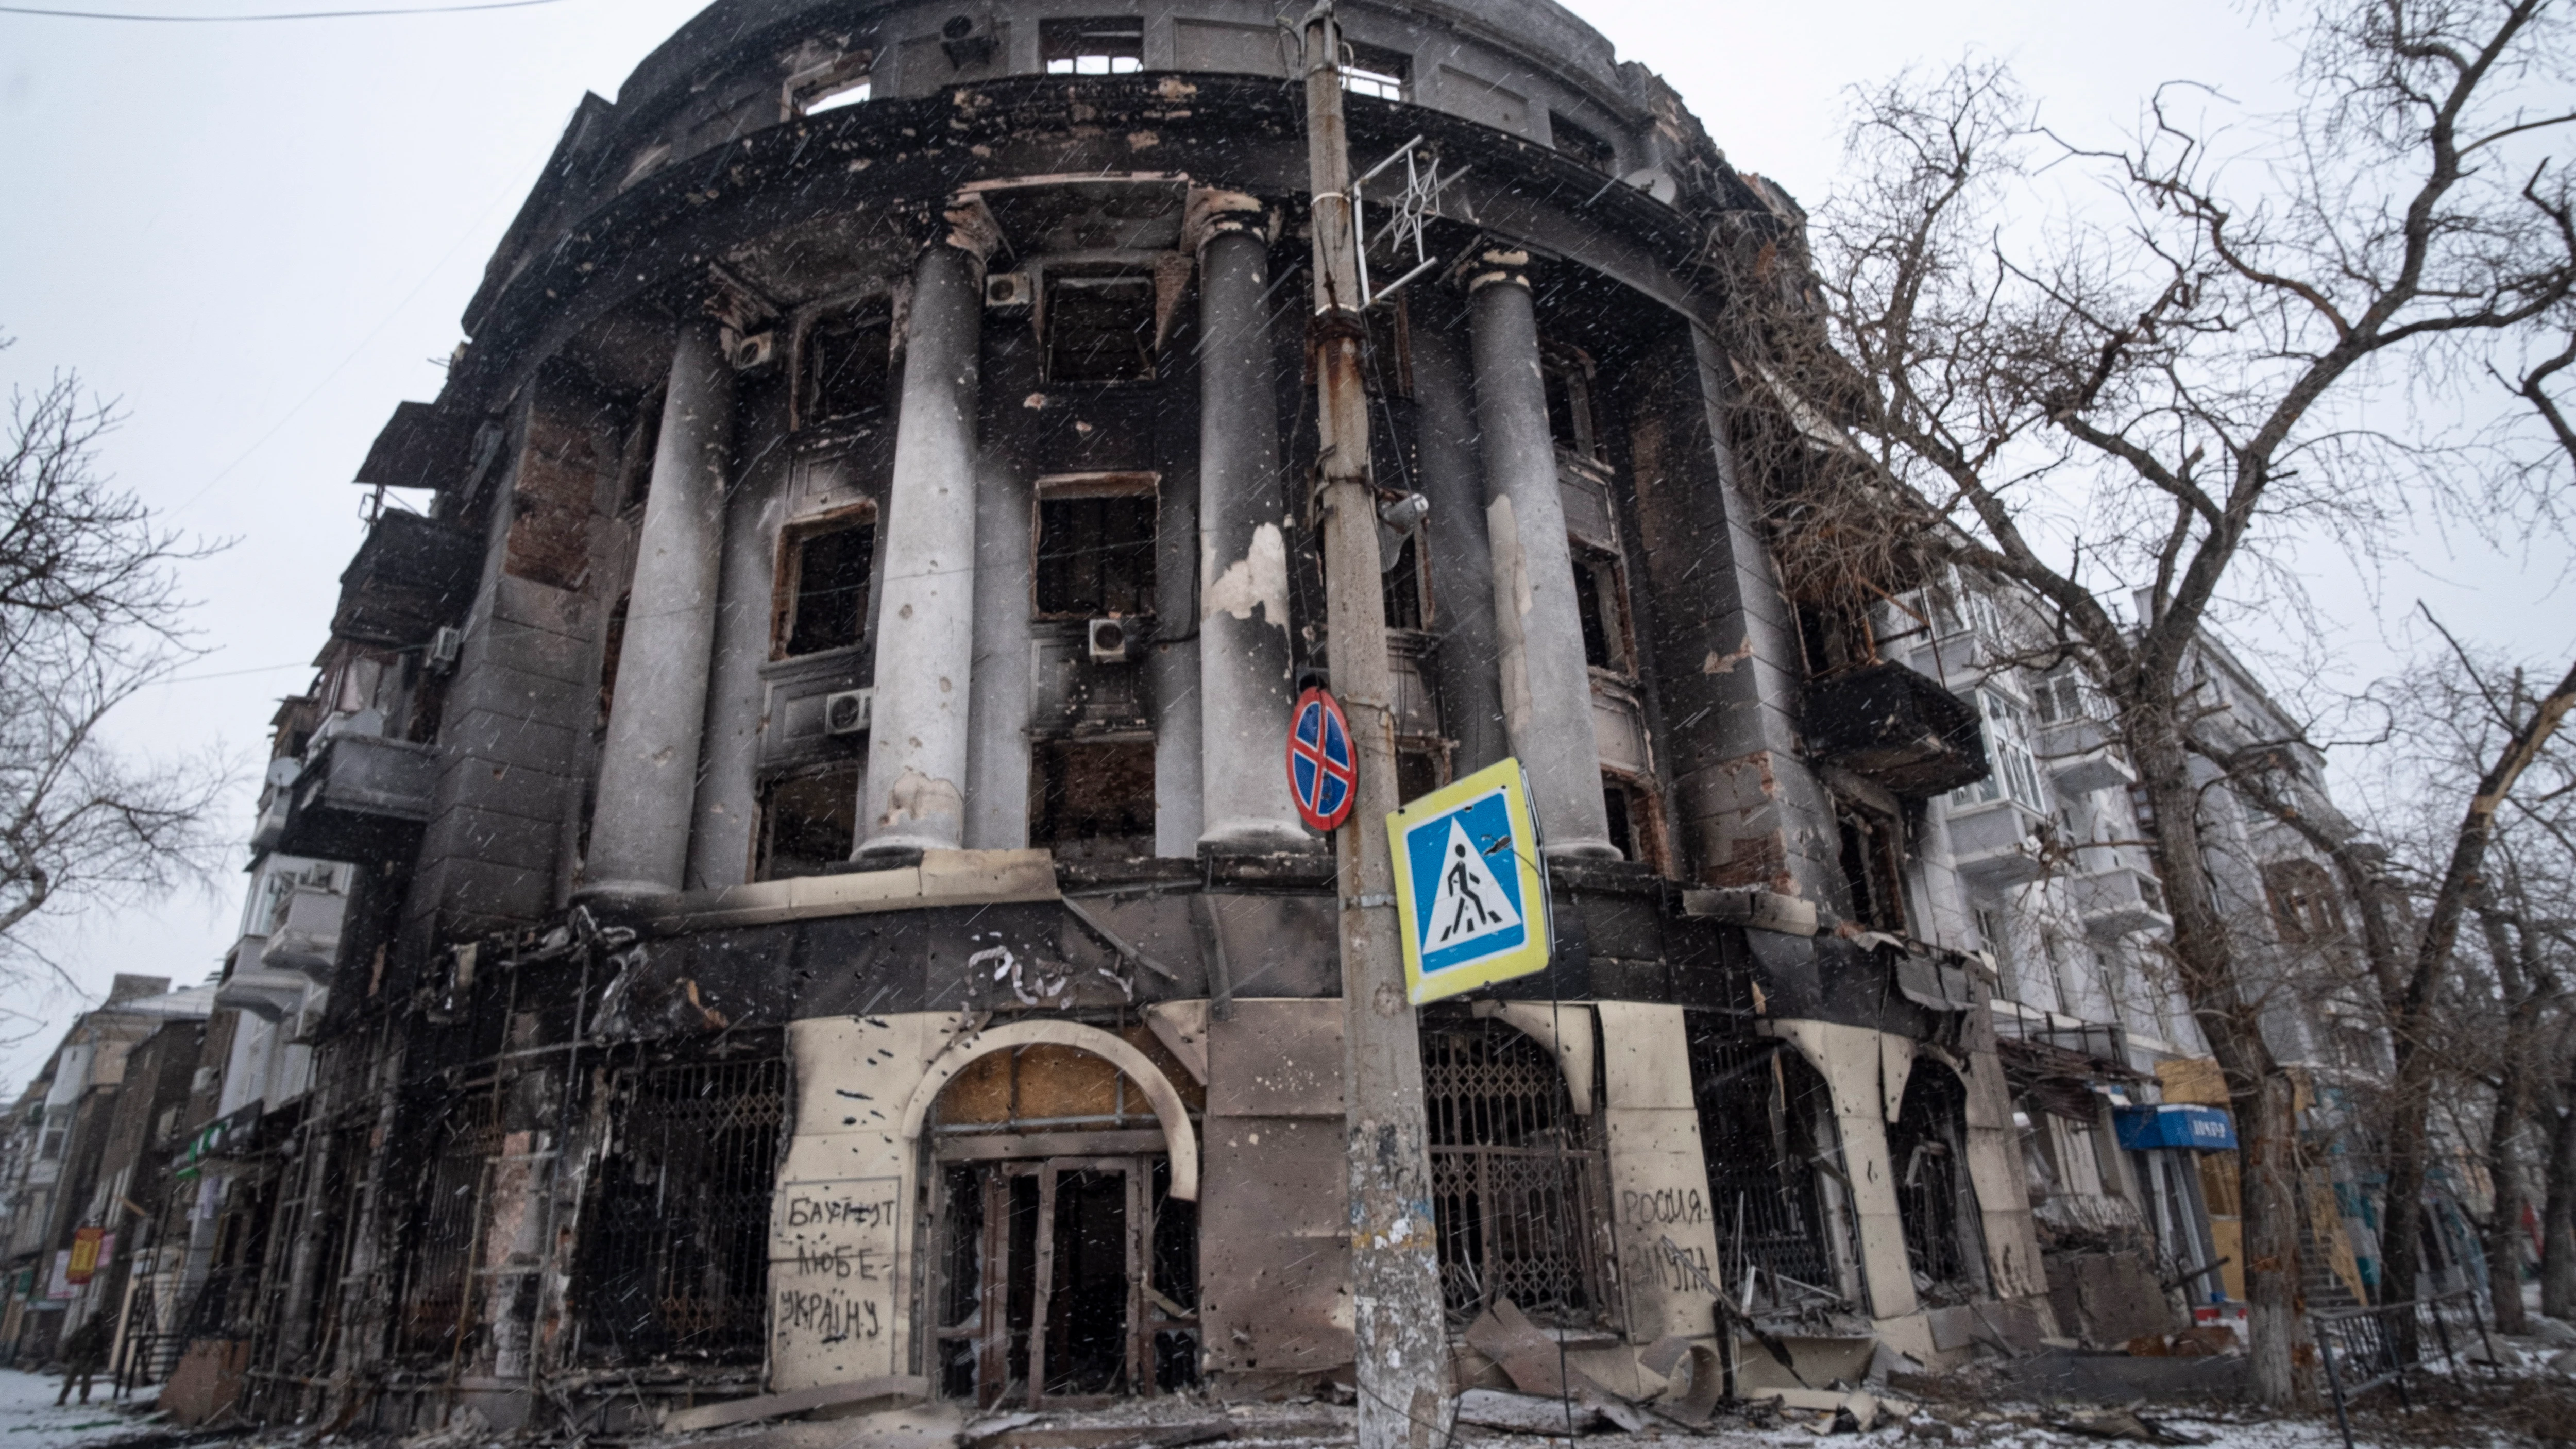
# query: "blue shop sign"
2201,1129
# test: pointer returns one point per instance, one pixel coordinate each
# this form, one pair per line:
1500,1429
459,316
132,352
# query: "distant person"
84,1354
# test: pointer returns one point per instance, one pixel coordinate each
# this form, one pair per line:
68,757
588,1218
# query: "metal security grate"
434,1310
678,1249
1515,1179
1759,1107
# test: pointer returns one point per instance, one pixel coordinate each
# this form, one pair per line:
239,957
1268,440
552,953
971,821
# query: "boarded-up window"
1093,798
823,573
808,822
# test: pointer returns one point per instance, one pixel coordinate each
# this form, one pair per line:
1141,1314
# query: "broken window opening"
1095,547
1935,1203
676,1251
1570,416
823,575
1421,766
1515,1178
846,364
1601,603
1092,799
1099,329
809,822
1873,862
1093,45
844,81
1387,369
1406,601
635,464
1833,637
1587,146
1767,1131
1636,818
1369,70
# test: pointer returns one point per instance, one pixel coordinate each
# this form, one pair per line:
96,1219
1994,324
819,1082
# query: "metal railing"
2370,1348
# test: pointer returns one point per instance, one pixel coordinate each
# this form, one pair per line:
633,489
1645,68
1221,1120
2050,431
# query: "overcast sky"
259,237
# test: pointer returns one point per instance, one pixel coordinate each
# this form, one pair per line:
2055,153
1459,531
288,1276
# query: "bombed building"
788,880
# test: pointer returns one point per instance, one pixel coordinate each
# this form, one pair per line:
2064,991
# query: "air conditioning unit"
1114,641
754,353
1009,290
849,712
968,39
444,647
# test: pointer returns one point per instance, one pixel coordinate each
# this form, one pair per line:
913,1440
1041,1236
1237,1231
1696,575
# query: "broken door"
1067,1281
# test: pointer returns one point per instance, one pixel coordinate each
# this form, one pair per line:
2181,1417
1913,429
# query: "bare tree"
90,614
2158,405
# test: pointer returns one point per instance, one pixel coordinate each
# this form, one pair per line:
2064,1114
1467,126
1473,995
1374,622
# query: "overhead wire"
276,15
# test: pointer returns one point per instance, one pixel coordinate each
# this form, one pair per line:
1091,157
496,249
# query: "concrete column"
648,771
728,804
1546,686
997,772
1246,684
917,752
1462,560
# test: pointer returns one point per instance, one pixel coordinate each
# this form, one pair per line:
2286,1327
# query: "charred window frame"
845,365
1583,144
1768,1135
1387,364
1092,45
1407,594
1517,1178
1601,604
1095,544
825,573
1572,417
1370,70
809,822
1873,864
1099,327
675,1251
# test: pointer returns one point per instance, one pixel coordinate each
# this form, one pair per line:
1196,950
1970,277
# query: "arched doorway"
1066,1238
1935,1202
1518,1180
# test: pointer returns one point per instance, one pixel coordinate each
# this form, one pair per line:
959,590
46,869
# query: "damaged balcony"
1997,844
360,798
412,576
2121,900
1897,727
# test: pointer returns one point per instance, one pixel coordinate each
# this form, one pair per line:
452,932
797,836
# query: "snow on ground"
29,1420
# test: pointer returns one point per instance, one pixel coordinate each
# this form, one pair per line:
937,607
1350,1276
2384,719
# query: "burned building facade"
821,910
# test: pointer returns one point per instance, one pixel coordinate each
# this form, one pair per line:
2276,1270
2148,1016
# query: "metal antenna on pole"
1401,1334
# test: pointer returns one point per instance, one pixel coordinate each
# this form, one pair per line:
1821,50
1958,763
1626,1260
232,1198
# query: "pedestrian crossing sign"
1469,889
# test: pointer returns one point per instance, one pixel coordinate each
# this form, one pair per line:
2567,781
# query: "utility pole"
1397,1319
